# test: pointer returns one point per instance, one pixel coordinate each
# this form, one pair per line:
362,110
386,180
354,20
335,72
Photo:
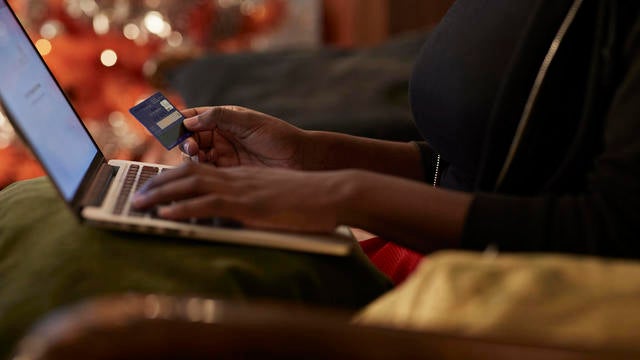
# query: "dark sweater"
457,78
574,185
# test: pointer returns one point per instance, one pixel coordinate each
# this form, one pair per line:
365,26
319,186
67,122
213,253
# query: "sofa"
456,306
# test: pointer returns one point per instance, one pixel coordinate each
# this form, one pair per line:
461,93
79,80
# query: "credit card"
162,119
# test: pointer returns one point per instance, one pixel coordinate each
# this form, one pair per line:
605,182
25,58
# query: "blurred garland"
103,54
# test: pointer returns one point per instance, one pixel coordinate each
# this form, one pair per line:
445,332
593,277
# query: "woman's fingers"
168,176
258,197
204,120
188,113
229,119
176,190
182,181
205,138
232,136
190,147
211,205
192,192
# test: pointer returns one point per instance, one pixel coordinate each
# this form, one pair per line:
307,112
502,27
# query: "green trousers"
49,260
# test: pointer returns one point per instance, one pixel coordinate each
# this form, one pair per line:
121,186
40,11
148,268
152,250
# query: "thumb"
233,119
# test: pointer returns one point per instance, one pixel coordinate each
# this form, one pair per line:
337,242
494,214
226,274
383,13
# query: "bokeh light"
101,24
108,58
44,47
51,29
154,22
131,31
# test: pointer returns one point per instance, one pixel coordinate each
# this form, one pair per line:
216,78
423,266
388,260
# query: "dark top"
457,77
575,181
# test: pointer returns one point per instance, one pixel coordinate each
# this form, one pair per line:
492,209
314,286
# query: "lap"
48,260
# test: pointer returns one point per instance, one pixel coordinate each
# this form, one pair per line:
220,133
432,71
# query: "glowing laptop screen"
39,109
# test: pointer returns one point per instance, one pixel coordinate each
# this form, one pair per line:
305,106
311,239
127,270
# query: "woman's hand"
408,212
228,136
256,196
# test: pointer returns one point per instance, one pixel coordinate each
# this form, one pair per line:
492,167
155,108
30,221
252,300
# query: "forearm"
407,212
334,151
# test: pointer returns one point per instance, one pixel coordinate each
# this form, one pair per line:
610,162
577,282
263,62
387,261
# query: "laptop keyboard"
134,180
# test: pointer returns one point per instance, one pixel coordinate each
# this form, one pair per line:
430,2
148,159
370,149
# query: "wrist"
401,210
315,149
351,207
298,141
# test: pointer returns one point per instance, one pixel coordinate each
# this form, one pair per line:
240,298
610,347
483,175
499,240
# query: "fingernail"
164,211
137,199
190,122
185,146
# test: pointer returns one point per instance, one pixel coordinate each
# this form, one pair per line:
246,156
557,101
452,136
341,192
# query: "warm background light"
175,39
131,31
44,47
108,58
101,24
108,54
154,22
51,29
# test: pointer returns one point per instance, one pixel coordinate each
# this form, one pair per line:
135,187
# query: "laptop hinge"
98,190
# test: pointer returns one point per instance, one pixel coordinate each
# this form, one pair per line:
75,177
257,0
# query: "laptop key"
146,174
123,196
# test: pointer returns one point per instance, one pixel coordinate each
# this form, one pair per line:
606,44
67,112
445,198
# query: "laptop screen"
40,111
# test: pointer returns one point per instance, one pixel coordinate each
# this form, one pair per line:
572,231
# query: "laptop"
98,190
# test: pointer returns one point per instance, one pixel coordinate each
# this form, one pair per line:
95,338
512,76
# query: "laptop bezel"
75,204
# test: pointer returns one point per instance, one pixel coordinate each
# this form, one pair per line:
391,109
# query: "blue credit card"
162,119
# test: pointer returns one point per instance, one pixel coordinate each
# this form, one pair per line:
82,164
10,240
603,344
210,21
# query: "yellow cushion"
544,299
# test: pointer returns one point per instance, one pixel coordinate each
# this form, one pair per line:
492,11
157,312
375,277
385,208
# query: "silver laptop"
98,191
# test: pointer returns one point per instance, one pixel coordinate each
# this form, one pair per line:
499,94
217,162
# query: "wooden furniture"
369,22
158,327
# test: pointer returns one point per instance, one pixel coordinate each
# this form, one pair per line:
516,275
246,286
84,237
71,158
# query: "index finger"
229,118
167,176
191,112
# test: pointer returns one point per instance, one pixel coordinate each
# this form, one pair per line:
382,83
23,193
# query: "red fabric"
394,260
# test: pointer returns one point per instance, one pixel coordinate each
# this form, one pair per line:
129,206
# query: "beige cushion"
545,299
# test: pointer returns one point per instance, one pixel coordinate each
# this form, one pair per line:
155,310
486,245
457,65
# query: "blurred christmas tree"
104,54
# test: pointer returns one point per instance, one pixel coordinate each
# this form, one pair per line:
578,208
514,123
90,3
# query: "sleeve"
604,220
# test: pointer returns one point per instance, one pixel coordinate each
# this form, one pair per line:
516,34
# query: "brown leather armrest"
157,327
